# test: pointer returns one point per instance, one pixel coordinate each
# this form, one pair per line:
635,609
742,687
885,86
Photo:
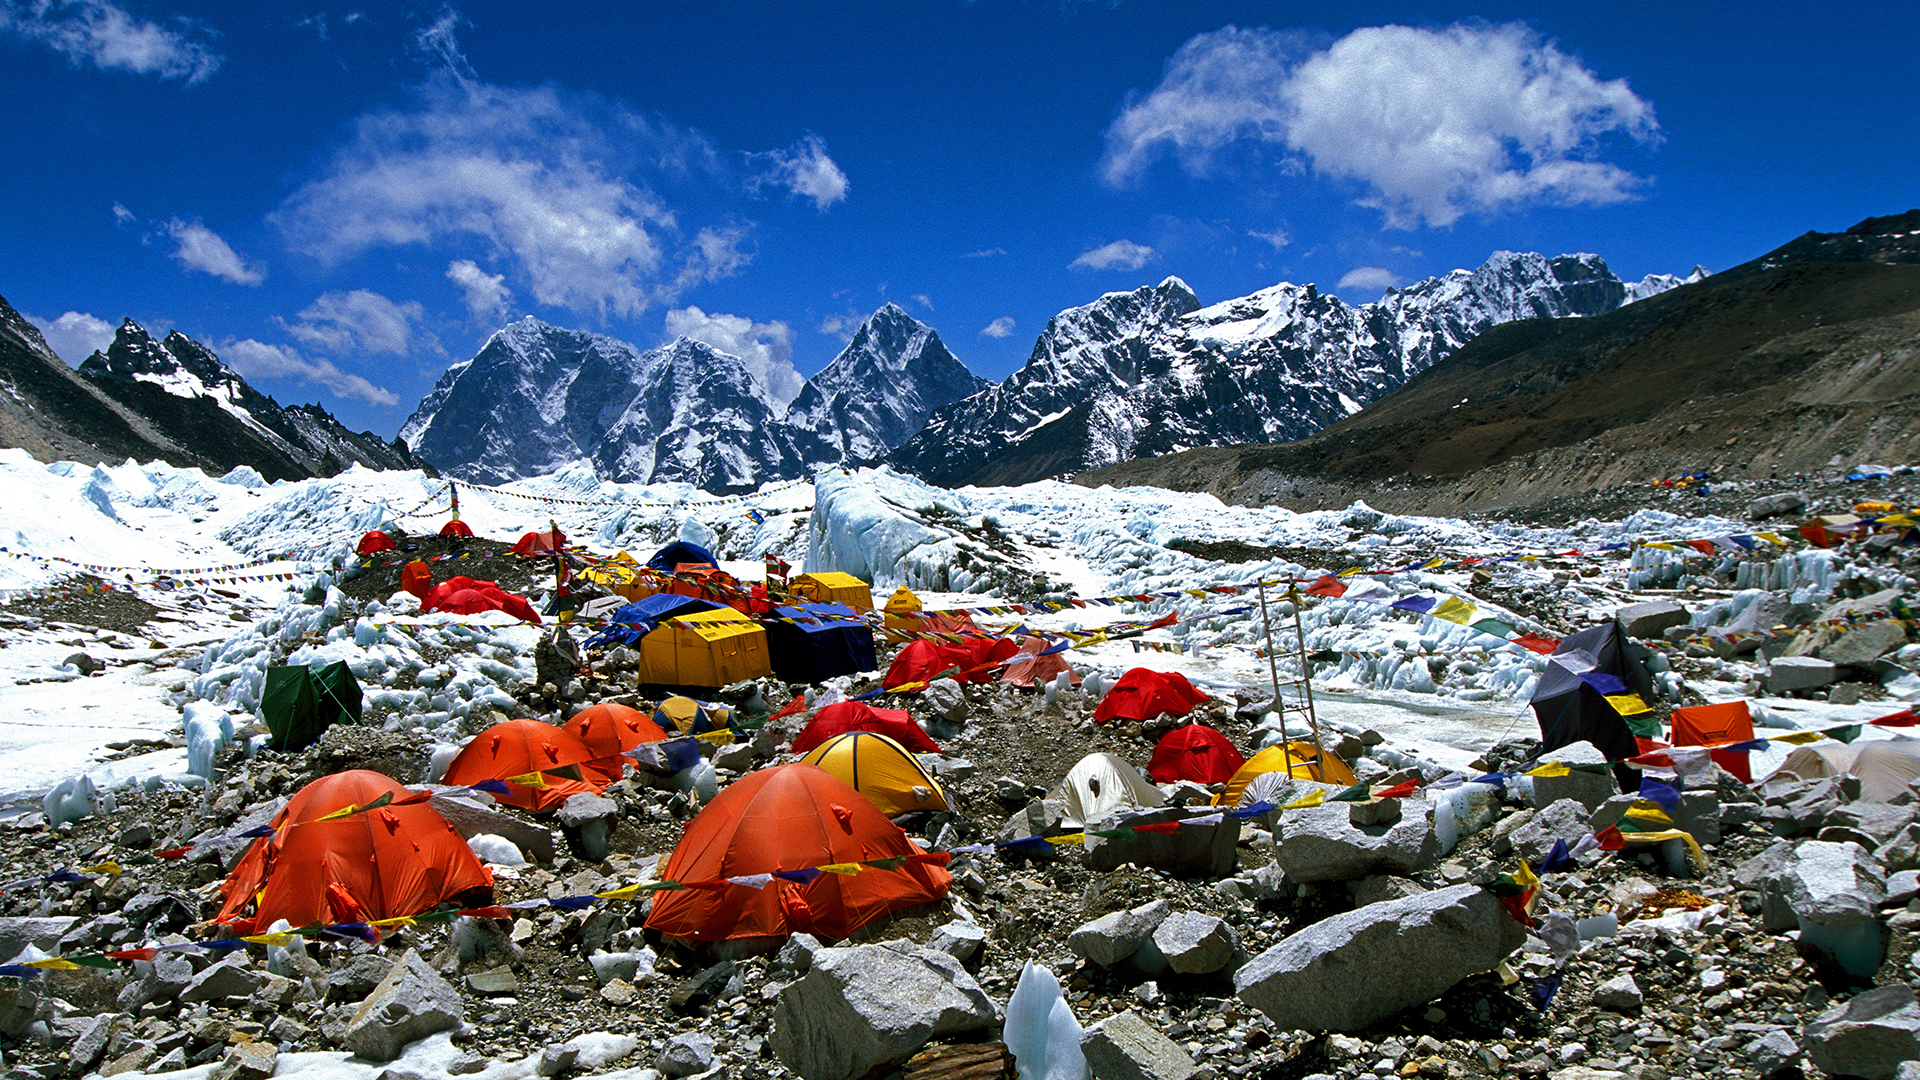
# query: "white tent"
1885,768
1102,784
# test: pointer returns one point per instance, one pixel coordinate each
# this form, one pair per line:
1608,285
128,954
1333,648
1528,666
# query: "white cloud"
1369,279
766,347
75,336
1279,238
923,300
202,249
108,37
842,325
540,177
122,215
487,294
804,169
440,40
999,328
985,253
1119,255
259,360
1433,124
361,321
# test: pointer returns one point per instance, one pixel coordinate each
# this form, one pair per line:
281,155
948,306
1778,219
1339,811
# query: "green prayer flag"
1356,793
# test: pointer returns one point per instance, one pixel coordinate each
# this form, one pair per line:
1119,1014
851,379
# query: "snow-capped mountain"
217,420
537,397
879,391
1152,372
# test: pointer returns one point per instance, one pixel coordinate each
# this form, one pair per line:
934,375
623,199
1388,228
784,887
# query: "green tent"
298,703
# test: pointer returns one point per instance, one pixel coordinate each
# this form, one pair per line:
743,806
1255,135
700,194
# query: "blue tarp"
810,643
629,624
680,551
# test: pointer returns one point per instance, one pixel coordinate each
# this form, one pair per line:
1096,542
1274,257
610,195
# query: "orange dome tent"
519,748
540,543
1038,666
610,729
922,661
1194,752
1142,694
417,578
469,596
456,527
400,859
844,716
781,820
374,542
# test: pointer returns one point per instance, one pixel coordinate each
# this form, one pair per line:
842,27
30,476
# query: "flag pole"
1273,670
1306,676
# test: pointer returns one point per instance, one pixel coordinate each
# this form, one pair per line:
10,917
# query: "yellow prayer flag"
1076,838
110,868
346,811
275,939
1645,810
1551,768
624,892
1796,738
1455,610
1311,798
721,737
1628,704
844,869
52,964
1661,544
532,780
1693,846
1523,876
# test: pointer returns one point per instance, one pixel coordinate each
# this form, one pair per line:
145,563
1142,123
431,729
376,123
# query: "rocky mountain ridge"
171,400
1151,372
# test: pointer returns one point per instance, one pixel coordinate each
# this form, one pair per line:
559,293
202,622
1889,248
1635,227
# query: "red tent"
540,543
468,596
374,542
1704,725
522,747
793,817
1035,669
400,859
845,716
455,528
921,661
1194,752
1142,694
611,729
987,651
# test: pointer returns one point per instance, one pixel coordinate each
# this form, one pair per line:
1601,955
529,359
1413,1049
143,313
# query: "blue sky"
343,200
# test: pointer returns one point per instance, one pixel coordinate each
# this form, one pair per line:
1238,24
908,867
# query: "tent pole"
1306,674
1273,670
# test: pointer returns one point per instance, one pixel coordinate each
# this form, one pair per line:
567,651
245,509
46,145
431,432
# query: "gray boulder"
1772,1053
870,1005
1589,787
1117,935
1780,502
1348,971
686,1054
1196,944
1125,1047
1620,993
41,933
1649,621
1830,892
233,976
1698,814
1564,820
1192,850
1856,644
945,699
959,939
1330,843
1789,673
411,1003
1869,1036
588,822
470,818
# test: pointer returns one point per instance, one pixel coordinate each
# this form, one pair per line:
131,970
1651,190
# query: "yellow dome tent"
834,586
1307,762
899,604
882,770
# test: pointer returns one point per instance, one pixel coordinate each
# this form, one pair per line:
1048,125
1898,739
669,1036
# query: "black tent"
298,703
1570,701
810,643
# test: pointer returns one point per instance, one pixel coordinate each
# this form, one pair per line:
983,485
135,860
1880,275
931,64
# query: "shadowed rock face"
171,400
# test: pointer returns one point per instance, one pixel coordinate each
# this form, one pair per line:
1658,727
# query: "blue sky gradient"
342,201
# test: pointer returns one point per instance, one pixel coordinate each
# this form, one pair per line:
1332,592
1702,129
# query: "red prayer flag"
1704,547
1160,827
1543,645
174,853
1328,585
1610,838
1903,718
132,954
1399,791
494,912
